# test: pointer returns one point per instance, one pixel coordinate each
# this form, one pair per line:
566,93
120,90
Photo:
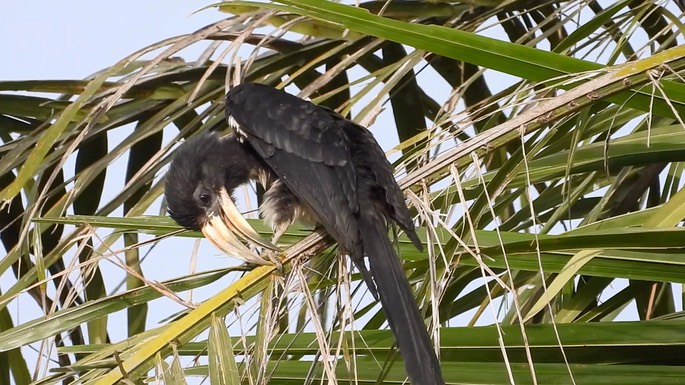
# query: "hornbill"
312,163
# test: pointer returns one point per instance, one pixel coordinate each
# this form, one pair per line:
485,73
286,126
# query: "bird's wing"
288,123
306,148
371,158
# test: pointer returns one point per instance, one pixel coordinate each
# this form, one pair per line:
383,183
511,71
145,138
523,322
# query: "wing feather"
288,123
378,172
307,148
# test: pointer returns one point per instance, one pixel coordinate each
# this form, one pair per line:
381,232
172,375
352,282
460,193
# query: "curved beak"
237,223
221,231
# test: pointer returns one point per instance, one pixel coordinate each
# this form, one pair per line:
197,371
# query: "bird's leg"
279,210
271,255
279,231
274,256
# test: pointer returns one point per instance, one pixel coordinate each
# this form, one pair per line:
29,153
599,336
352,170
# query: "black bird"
313,163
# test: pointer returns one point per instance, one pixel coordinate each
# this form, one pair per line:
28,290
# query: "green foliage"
544,168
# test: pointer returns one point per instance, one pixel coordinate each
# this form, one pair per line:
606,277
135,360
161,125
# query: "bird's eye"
205,199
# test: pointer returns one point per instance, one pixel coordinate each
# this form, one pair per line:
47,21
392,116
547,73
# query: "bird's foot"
274,257
268,256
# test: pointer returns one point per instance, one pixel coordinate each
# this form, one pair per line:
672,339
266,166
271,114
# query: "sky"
47,40
73,39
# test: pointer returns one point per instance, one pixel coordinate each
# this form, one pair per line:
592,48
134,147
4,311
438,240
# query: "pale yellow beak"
221,231
237,223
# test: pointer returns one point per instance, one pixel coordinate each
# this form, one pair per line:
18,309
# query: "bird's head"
203,174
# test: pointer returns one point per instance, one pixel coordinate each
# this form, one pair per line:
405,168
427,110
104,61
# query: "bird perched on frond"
312,163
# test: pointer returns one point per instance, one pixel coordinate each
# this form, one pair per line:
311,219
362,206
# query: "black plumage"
314,163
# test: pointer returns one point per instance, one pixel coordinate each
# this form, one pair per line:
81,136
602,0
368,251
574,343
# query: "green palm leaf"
544,166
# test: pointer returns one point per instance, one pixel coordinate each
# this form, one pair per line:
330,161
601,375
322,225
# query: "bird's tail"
399,304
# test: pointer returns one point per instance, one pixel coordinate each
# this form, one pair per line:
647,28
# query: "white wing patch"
242,135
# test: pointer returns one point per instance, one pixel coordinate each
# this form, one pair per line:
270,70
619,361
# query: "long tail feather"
399,304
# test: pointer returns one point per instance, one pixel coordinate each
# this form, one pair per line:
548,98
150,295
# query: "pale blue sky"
47,39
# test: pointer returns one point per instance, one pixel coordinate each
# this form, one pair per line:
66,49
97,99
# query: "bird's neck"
242,164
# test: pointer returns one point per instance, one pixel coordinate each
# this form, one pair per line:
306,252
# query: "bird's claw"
269,256
274,257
